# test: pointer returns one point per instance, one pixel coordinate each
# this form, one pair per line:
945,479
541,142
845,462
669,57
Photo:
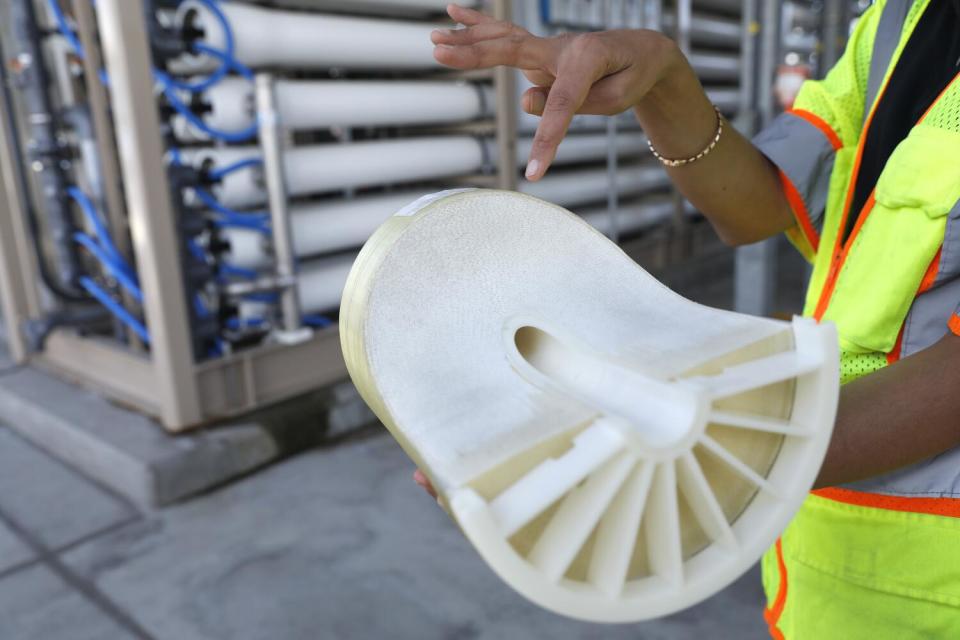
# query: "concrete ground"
334,543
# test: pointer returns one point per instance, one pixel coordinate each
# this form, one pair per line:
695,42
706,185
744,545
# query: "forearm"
608,72
900,415
735,185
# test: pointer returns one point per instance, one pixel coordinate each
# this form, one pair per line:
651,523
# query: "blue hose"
115,308
170,92
236,324
170,87
221,173
196,250
65,29
230,218
269,297
227,58
229,49
71,37
227,269
316,320
99,228
125,279
310,320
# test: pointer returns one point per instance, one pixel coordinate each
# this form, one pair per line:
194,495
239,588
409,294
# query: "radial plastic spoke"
577,516
661,526
548,481
738,465
703,502
756,423
618,531
757,373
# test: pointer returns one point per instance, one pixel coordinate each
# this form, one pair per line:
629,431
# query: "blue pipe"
124,278
99,228
221,173
231,218
115,308
316,320
170,86
71,37
65,29
170,92
227,269
228,53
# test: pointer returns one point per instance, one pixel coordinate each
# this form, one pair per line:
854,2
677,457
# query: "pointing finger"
566,95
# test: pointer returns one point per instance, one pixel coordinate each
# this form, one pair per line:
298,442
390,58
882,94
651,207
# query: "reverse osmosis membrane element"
614,451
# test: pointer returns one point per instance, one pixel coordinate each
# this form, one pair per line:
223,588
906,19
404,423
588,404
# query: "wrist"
675,113
673,78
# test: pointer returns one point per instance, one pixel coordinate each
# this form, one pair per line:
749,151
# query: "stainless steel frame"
755,270
19,298
165,382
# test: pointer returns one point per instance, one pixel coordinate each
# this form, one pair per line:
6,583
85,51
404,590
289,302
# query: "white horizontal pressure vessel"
330,167
588,147
319,104
708,30
398,7
635,217
321,227
295,39
727,98
320,282
734,7
715,66
339,224
583,186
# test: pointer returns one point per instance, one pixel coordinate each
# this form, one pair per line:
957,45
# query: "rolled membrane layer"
614,451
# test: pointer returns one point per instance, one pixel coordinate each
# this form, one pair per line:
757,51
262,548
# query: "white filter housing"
377,6
328,167
320,227
319,104
320,282
613,451
339,224
631,218
334,167
589,147
582,186
303,40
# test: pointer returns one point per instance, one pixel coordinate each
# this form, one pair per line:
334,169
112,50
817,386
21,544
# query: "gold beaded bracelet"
679,163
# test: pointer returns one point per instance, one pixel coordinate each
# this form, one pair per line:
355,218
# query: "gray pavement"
334,543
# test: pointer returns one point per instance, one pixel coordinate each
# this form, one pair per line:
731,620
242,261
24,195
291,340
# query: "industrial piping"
309,41
43,151
319,104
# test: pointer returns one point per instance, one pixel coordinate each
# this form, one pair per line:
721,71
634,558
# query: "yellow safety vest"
880,558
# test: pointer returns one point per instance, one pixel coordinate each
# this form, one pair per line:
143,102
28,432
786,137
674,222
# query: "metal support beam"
613,194
771,36
755,272
153,225
19,298
98,102
13,290
285,258
750,27
505,84
833,34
